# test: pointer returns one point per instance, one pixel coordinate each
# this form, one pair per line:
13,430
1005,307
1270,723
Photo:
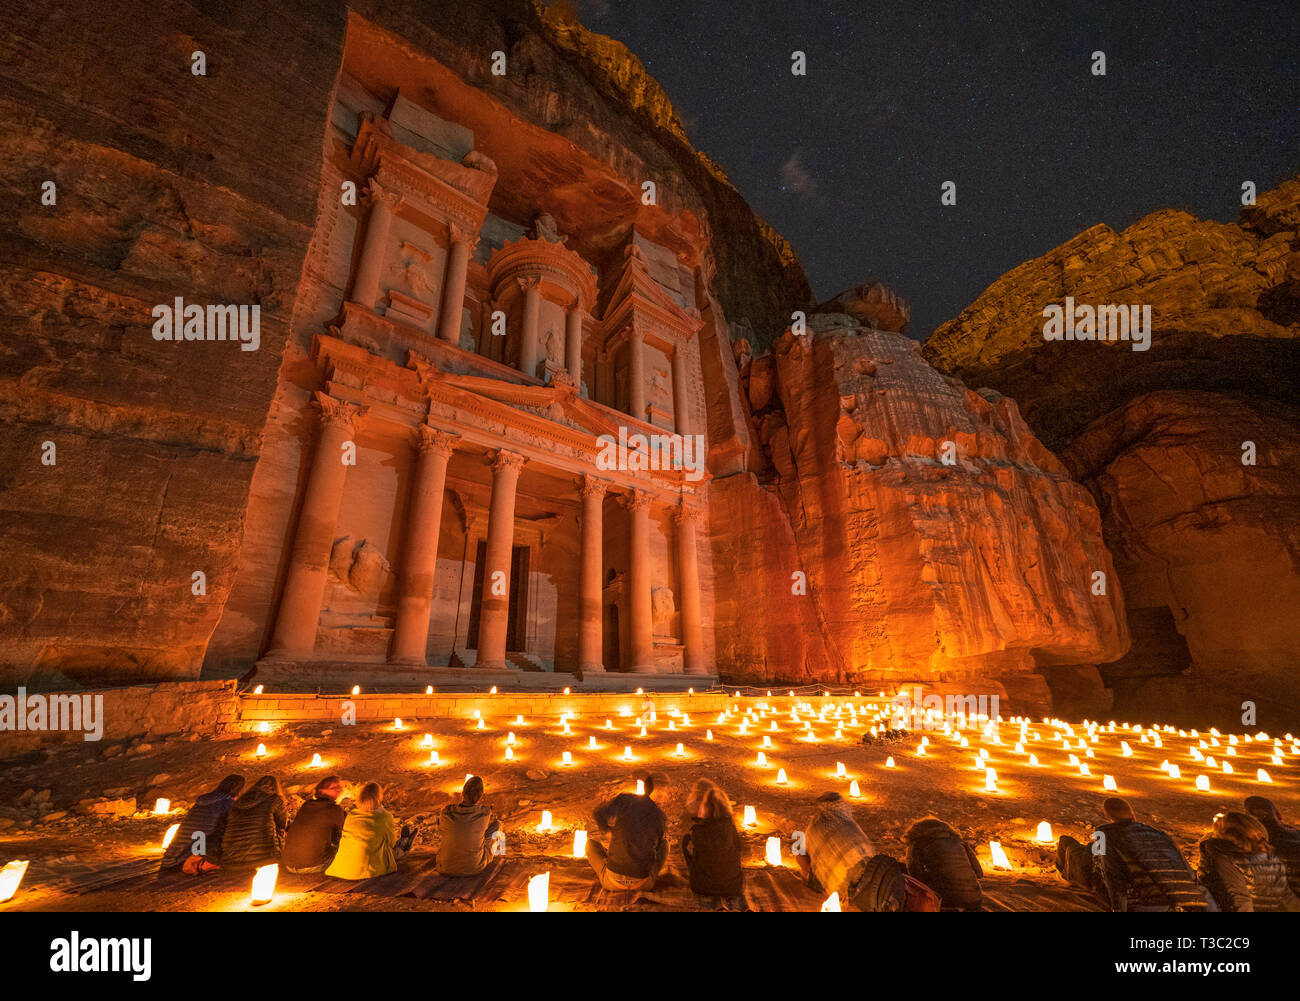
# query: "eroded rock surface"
1204,543
915,569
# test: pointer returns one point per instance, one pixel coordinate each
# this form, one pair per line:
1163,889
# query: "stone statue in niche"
413,269
544,228
663,607
554,346
360,568
659,383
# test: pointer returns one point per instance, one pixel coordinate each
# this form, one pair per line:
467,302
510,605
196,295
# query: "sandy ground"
39,795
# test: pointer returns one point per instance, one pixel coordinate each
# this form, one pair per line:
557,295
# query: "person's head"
1262,809
1117,809
929,827
371,796
472,791
707,802
330,787
231,785
1242,830
269,785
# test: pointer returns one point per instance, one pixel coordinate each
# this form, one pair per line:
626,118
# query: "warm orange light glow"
539,892
751,818
261,750
780,776
356,689
579,844
772,853
316,761
854,791
170,836
832,903
10,877
1044,834
1000,860
162,807
545,827
264,883
640,787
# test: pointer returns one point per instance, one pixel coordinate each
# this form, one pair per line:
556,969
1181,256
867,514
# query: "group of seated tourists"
1250,861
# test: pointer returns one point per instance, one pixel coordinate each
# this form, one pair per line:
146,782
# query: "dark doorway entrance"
610,651
517,622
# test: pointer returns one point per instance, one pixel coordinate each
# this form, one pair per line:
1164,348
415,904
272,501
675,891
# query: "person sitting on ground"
1239,868
712,846
466,828
208,817
313,837
939,858
1134,867
638,846
255,830
370,845
839,858
1284,838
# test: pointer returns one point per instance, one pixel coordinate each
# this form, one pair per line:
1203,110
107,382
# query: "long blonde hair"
371,796
708,801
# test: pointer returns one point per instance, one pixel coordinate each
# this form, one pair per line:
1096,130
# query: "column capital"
527,282
685,513
460,234
431,439
635,500
332,410
504,461
593,486
377,193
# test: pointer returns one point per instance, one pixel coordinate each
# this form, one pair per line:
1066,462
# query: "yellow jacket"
366,848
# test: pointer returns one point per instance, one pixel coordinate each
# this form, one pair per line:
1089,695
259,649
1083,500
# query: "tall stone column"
688,562
420,557
383,206
453,289
494,616
573,344
681,418
590,645
304,585
639,583
532,320
636,374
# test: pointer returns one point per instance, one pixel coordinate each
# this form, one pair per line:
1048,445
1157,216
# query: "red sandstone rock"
915,569
1204,545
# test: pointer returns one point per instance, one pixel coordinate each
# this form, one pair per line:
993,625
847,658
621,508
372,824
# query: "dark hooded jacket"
1142,869
941,860
255,829
1245,881
209,815
712,852
313,837
465,831
1285,840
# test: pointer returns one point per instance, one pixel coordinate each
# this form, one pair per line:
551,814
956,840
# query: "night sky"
848,161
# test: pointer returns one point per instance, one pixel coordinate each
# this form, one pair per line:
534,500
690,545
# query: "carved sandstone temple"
471,285
439,495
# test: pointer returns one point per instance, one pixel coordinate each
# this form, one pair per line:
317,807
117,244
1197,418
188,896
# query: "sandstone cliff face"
1204,544
1225,304
167,184
1207,548
915,569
